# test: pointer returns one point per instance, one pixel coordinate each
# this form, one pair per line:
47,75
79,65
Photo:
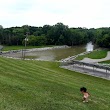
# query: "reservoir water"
52,54
57,54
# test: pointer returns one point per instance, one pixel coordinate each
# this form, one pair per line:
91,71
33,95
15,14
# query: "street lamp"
25,40
25,44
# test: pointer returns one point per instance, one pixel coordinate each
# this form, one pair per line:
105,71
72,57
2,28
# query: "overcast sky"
74,13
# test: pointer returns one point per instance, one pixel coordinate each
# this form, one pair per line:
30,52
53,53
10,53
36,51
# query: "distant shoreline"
35,49
6,53
47,48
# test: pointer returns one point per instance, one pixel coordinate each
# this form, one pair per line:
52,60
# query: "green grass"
7,48
106,62
39,85
94,55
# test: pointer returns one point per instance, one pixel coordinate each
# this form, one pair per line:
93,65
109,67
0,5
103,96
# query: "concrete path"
90,70
89,60
72,57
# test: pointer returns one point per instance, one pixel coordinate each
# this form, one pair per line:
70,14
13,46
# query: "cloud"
75,13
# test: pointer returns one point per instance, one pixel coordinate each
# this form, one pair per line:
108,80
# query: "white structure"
89,47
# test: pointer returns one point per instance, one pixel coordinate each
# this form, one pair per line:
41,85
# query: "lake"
50,55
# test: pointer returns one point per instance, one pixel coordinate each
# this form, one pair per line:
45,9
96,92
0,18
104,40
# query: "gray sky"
74,13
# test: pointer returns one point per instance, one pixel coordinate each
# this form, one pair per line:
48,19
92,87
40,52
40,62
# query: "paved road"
89,70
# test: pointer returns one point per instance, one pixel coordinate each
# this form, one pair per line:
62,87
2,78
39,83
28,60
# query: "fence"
89,68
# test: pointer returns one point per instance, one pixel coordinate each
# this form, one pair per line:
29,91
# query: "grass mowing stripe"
47,86
52,71
47,70
58,76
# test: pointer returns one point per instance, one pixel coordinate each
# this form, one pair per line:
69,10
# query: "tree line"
58,34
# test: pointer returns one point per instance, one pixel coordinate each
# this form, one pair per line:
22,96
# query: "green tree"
106,41
37,40
32,40
18,36
1,34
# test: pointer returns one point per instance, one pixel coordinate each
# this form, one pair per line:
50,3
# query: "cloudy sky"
74,13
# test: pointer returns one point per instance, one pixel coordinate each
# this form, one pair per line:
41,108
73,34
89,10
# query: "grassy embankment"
39,85
7,48
94,55
107,61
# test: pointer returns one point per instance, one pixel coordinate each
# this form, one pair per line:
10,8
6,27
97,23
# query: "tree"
37,40
106,41
41,40
1,34
18,36
58,34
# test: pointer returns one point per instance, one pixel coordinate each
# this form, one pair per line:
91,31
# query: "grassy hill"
94,55
39,85
7,48
106,62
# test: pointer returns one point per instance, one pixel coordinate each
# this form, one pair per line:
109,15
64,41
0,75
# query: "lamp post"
25,40
25,44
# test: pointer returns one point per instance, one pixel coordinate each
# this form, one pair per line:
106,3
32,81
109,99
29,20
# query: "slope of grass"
94,55
107,62
38,85
7,48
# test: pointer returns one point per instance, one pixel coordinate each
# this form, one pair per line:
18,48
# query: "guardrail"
74,62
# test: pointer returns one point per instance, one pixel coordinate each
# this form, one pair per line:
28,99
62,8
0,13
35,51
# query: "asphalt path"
89,71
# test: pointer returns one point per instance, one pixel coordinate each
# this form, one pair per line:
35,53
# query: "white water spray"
89,47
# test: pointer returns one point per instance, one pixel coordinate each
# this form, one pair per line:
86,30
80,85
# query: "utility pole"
26,40
25,44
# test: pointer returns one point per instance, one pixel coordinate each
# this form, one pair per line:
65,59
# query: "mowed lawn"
39,85
106,62
94,55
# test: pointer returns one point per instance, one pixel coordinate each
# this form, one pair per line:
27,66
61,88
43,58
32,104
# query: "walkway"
89,60
89,71
86,69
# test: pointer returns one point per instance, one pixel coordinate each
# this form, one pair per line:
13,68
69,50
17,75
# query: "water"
89,47
51,55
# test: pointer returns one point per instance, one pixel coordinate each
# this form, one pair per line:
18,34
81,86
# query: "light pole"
25,44
25,40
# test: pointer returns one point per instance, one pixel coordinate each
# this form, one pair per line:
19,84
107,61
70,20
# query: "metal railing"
73,62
